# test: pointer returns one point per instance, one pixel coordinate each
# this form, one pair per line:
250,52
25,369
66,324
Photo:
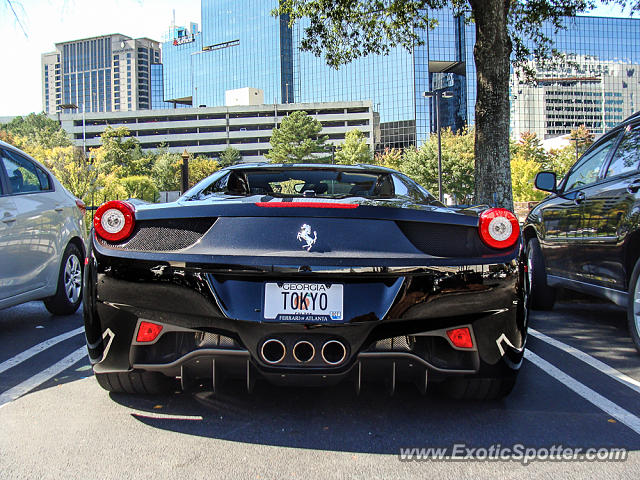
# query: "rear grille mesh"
441,240
163,235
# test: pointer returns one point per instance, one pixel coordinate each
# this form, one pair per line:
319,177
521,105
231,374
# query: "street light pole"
185,171
437,95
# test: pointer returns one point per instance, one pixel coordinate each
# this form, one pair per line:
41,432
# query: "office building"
242,45
109,73
595,81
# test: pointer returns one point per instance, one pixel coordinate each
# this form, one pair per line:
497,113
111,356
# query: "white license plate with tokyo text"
303,302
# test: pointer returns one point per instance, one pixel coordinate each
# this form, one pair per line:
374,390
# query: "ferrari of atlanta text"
305,274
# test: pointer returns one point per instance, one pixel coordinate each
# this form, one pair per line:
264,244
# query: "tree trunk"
492,54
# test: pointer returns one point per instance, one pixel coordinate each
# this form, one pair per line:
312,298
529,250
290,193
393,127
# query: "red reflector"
460,337
306,205
86,260
148,332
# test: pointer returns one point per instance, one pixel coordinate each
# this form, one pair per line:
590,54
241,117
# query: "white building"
579,90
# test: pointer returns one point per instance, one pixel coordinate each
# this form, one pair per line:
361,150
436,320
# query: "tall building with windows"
595,81
242,45
99,74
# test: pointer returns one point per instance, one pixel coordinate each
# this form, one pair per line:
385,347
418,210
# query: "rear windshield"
309,182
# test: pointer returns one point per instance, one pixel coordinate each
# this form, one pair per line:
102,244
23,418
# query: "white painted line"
27,354
632,383
166,416
39,378
593,397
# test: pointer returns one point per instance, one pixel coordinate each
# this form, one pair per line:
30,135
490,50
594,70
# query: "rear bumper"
202,338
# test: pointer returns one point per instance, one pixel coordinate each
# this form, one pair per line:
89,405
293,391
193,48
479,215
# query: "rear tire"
541,296
633,309
136,382
69,291
479,388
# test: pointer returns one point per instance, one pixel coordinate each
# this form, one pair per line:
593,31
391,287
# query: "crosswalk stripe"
39,378
589,360
30,352
593,397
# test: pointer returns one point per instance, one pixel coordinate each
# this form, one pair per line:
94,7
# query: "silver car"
42,236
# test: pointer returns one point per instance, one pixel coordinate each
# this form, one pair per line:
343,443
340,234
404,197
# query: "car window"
627,155
586,170
23,175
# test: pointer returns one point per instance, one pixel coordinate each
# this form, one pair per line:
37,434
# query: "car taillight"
114,221
81,206
460,337
148,332
499,228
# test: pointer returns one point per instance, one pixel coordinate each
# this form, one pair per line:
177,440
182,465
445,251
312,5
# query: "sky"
43,23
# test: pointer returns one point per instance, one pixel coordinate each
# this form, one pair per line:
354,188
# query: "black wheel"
479,388
69,293
540,295
633,310
136,381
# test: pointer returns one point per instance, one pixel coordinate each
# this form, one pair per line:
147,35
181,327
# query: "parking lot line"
43,376
589,360
27,354
593,397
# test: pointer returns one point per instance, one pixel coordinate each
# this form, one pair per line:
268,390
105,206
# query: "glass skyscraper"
243,45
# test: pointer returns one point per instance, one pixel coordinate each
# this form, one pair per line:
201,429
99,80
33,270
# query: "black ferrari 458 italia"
308,275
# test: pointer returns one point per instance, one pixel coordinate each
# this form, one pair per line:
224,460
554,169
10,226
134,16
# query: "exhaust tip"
273,351
334,352
304,351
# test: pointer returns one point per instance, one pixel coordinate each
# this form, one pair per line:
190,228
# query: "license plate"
303,302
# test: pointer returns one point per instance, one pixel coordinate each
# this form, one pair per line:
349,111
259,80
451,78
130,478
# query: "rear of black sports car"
305,275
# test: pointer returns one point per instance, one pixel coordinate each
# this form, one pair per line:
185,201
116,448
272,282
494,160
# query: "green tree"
70,167
120,153
523,173
582,138
457,164
37,130
166,170
346,30
200,168
529,148
354,149
528,157
561,160
297,139
7,137
390,158
229,156
139,186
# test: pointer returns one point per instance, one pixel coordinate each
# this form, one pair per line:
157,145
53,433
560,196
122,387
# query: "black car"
305,274
585,236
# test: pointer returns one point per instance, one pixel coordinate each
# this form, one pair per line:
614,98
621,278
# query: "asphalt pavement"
579,387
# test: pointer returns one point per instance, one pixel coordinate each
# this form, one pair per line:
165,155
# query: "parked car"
305,274
585,236
42,236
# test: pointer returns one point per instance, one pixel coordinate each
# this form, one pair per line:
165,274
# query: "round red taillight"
114,220
499,228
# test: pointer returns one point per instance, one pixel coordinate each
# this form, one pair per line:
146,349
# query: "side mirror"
546,181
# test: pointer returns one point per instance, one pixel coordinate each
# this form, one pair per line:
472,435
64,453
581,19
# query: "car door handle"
634,186
579,198
8,219
59,208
